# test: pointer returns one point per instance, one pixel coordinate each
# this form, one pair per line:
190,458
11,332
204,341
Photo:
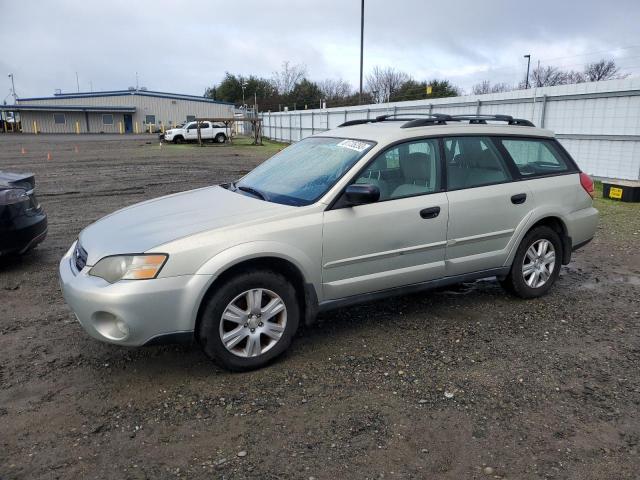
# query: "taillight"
587,184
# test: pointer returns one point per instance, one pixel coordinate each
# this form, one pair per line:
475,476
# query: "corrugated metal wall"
598,123
167,111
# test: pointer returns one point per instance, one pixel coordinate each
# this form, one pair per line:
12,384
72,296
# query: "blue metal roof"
68,108
119,93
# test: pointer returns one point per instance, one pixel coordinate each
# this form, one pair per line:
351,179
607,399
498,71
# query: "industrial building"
119,111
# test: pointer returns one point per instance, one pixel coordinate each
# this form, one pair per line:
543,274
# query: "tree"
602,70
305,92
486,87
547,76
230,89
335,90
382,83
287,78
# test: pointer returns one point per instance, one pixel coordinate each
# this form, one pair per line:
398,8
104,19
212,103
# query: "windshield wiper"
253,191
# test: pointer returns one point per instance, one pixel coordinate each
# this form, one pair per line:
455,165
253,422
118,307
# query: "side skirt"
409,289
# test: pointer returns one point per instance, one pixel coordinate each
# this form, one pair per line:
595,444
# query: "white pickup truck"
189,132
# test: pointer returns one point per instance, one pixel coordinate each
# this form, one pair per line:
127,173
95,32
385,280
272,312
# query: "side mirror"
360,194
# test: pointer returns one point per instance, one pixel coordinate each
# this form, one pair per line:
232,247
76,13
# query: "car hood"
145,225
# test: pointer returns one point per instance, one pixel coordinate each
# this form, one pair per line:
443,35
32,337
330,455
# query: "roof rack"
431,119
482,119
425,119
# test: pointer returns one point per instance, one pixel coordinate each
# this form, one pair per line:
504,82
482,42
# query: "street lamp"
13,88
526,81
244,86
361,45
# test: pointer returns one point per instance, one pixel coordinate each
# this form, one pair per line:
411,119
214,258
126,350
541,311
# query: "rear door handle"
519,198
432,212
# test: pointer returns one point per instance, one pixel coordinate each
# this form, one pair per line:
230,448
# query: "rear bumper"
581,226
26,233
132,312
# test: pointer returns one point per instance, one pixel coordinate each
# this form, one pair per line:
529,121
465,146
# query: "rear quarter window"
534,157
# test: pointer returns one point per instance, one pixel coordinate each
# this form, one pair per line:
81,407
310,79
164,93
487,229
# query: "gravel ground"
459,383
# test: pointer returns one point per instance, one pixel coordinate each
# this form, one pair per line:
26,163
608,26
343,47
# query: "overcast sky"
184,47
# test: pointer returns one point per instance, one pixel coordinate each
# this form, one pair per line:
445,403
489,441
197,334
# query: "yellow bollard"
35,127
120,127
136,128
77,128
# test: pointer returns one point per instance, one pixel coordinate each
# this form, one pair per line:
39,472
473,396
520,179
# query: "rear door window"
534,156
473,162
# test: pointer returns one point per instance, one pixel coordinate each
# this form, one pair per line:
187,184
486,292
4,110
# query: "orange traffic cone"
48,155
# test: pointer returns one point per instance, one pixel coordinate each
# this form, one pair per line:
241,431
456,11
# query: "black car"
23,223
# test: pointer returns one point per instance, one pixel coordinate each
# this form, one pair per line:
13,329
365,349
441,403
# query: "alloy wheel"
253,322
538,263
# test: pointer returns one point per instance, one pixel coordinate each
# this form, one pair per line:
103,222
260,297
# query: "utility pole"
526,81
244,86
13,89
77,83
361,45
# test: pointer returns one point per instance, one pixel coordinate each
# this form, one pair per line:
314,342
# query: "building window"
59,119
107,119
150,119
191,118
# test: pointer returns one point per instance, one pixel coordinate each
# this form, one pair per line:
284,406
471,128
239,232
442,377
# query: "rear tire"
241,333
536,265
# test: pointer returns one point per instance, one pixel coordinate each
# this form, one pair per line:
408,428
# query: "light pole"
526,81
361,45
13,88
244,86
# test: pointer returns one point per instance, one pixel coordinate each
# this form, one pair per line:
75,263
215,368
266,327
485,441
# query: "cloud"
185,47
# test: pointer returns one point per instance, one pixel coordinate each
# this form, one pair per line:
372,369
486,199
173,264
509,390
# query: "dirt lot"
460,383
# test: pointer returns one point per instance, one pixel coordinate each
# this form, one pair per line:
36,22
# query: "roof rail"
424,119
482,119
432,118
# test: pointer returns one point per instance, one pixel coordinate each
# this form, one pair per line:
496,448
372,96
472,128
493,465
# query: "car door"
206,131
486,207
398,240
191,131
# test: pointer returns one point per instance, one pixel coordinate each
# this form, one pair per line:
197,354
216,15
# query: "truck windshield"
303,172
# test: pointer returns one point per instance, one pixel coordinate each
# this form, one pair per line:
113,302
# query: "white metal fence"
598,123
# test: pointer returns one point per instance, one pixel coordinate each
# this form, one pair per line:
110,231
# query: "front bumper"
25,233
132,312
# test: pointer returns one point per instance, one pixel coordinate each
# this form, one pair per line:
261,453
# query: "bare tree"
486,87
602,70
287,78
547,76
335,89
382,83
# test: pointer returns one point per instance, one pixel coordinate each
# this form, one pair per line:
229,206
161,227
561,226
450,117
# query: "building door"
128,123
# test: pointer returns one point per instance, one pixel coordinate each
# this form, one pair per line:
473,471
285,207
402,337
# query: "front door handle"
519,198
432,212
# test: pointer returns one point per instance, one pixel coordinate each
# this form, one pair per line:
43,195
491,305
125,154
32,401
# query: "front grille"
79,257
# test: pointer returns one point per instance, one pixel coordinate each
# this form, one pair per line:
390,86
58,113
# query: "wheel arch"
289,268
558,225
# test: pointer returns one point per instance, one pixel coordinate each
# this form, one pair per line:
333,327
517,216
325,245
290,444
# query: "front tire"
220,138
249,320
536,265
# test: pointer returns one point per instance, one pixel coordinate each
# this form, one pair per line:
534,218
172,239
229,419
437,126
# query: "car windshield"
303,172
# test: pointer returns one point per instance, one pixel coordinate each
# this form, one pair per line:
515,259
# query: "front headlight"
129,267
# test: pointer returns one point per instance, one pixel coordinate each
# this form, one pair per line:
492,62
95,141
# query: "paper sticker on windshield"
354,145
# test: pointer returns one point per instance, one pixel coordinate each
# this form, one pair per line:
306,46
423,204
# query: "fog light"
123,327
110,326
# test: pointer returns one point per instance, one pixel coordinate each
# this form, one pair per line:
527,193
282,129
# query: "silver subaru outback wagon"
372,208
